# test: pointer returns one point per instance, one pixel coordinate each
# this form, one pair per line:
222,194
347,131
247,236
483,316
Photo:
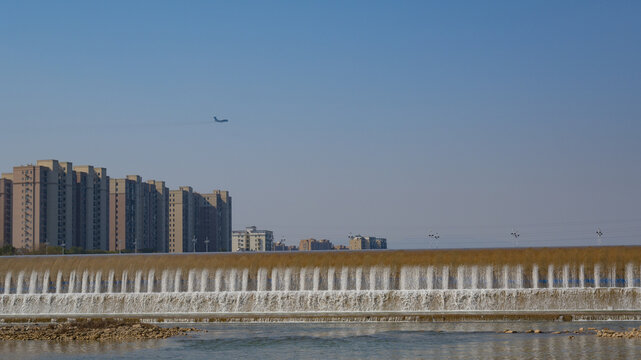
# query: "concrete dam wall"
332,285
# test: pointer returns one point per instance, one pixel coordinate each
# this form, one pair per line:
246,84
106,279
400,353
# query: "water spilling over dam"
333,284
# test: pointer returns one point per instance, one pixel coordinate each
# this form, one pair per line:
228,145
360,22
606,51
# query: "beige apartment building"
182,221
313,244
57,204
6,187
158,215
137,214
42,206
199,222
359,242
214,221
121,214
91,208
251,239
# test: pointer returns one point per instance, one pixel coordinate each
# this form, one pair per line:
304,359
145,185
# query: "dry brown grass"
617,256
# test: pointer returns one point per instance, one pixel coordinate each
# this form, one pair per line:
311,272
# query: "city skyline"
470,120
53,203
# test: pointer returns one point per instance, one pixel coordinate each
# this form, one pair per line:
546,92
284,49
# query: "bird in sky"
220,120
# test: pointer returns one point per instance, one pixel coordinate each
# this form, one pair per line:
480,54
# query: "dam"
575,283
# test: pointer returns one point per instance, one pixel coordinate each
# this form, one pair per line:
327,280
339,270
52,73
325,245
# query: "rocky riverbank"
91,330
631,333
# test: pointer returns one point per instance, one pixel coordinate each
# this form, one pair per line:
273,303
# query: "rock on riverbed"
91,330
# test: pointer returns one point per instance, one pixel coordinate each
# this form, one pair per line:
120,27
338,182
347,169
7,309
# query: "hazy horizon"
384,119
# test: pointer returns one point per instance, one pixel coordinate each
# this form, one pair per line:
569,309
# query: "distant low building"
359,242
281,246
251,239
313,244
340,247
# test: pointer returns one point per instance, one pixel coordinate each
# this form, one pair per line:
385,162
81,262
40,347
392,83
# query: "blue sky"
382,118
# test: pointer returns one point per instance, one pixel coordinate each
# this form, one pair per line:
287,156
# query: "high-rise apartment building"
158,215
42,205
137,214
59,207
6,187
199,222
122,227
91,208
213,221
251,239
57,204
182,221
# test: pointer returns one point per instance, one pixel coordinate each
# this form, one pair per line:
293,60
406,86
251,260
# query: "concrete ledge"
449,316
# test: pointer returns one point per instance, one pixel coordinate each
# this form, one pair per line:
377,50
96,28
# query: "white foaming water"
245,280
519,277
344,277
218,280
288,280
110,282
231,283
33,282
191,279
151,278
45,282
302,278
59,283
331,276
356,288
20,282
204,280
506,277
429,278
261,281
138,282
460,277
85,282
475,278
445,284
177,280
316,279
72,282
7,283
98,282
489,277
394,301
359,279
123,286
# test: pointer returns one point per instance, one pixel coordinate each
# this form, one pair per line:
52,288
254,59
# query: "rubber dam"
576,283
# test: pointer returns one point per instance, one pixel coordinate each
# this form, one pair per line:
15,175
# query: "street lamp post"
63,247
194,241
46,248
516,235
207,244
599,233
434,236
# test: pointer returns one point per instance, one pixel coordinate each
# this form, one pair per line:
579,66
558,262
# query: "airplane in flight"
220,120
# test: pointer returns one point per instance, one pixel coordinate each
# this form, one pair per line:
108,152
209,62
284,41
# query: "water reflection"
37,349
355,340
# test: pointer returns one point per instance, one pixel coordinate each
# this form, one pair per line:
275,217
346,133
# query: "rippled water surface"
352,341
